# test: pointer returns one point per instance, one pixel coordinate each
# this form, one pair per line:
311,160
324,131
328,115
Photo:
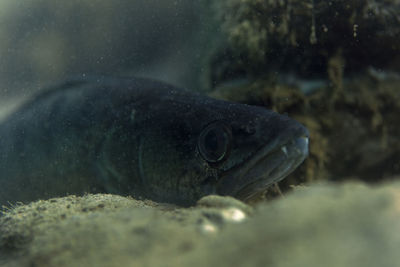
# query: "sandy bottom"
322,225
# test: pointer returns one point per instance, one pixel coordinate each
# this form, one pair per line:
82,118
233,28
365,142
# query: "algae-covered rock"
109,230
305,36
332,65
323,225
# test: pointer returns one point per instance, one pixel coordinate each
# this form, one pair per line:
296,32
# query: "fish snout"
297,148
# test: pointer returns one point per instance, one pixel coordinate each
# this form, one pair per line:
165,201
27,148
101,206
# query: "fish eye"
215,141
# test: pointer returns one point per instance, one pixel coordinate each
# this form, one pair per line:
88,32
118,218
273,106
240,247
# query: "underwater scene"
200,133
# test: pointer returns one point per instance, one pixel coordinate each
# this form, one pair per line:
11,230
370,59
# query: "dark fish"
145,139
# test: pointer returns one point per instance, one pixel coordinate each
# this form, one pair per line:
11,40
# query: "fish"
145,139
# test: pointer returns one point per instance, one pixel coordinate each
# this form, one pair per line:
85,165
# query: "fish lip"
269,165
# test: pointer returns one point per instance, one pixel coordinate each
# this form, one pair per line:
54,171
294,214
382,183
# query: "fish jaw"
269,165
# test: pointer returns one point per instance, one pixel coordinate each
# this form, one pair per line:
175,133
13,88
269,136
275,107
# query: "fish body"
145,139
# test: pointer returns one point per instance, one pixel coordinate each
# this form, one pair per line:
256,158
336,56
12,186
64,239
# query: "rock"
310,38
321,225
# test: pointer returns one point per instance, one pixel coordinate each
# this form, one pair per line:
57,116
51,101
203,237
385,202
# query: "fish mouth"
269,165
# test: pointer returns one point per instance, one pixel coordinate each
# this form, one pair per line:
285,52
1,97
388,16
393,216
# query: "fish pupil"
214,143
211,141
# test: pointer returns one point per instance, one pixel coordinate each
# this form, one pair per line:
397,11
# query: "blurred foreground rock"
322,225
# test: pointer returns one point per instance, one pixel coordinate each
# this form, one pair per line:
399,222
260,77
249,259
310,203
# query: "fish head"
251,148
206,146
